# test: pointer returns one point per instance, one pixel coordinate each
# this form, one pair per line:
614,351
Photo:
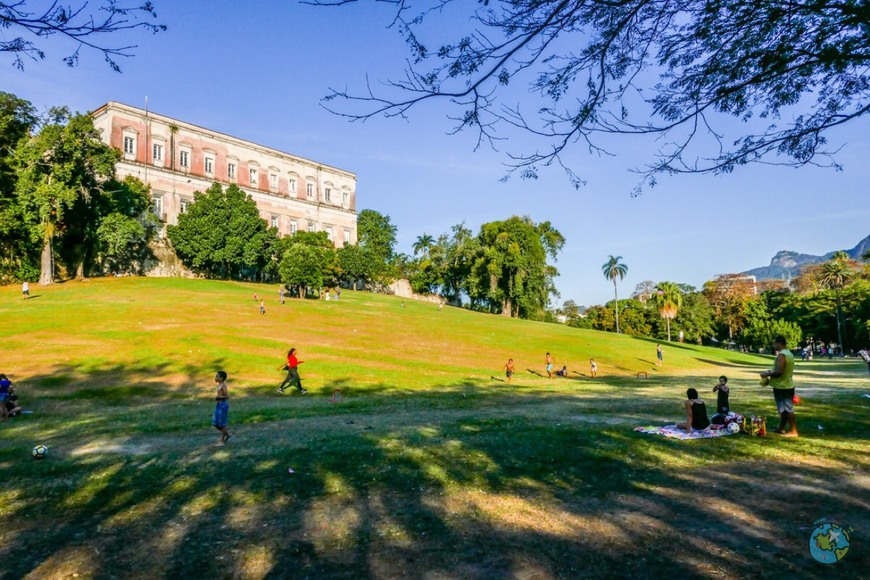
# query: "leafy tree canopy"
222,235
513,273
59,170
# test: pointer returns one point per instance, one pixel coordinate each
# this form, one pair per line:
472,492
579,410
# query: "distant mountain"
788,264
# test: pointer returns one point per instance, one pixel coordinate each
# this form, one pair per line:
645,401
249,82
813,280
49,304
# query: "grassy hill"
428,468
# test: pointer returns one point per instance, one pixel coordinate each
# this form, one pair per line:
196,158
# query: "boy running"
593,367
509,369
550,362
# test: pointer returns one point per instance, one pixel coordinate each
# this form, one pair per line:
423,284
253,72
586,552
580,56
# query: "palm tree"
614,269
835,275
423,244
669,300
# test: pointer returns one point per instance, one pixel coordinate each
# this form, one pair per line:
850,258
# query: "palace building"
177,158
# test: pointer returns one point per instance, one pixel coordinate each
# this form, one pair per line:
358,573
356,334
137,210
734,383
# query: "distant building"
177,158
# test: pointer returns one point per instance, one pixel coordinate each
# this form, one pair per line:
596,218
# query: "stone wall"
402,289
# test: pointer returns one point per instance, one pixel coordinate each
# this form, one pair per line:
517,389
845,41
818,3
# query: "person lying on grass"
696,412
563,372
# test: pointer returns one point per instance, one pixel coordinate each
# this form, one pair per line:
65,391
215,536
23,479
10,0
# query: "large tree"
126,227
835,274
60,169
222,234
86,24
791,70
303,268
615,268
423,244
512,269
668,299
376,237
728,294
17,259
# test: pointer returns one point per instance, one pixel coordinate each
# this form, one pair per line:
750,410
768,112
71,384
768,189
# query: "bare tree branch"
80,23
670,70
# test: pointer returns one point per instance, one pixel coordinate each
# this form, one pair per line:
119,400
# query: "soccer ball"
733,428
40,451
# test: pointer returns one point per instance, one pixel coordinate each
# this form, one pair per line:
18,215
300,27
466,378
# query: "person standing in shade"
281,294
292,368
659,355
722,406
865,354
220,420
781,378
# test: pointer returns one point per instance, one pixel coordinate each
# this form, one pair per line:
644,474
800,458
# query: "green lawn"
429,468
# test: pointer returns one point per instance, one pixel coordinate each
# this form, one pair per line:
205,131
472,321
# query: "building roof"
212,134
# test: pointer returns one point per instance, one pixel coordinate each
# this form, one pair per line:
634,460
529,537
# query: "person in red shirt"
292,368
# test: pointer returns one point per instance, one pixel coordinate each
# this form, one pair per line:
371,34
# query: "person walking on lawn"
292,368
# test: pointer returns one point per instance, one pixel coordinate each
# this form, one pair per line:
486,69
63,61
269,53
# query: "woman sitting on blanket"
696,412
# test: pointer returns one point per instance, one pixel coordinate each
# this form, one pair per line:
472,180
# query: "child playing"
722,397
550,362
563,372
292,368
262,307
593,367
222,406
509,369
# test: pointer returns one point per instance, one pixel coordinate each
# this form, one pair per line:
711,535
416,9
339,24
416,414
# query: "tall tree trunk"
668,320
839,326
80,270
616,305
507,309
45,272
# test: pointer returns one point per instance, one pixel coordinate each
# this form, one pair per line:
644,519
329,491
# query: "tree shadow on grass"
732,364
427,493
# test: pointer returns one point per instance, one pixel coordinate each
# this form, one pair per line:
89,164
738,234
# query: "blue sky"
259,73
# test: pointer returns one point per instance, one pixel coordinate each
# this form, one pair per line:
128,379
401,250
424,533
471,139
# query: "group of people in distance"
549,361
780,378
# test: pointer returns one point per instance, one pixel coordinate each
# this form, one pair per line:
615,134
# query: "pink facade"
178,159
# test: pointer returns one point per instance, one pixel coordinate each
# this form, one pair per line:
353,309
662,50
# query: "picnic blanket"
676,433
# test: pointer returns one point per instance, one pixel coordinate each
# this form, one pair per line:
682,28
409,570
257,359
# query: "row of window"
274,221
157,155
312,227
